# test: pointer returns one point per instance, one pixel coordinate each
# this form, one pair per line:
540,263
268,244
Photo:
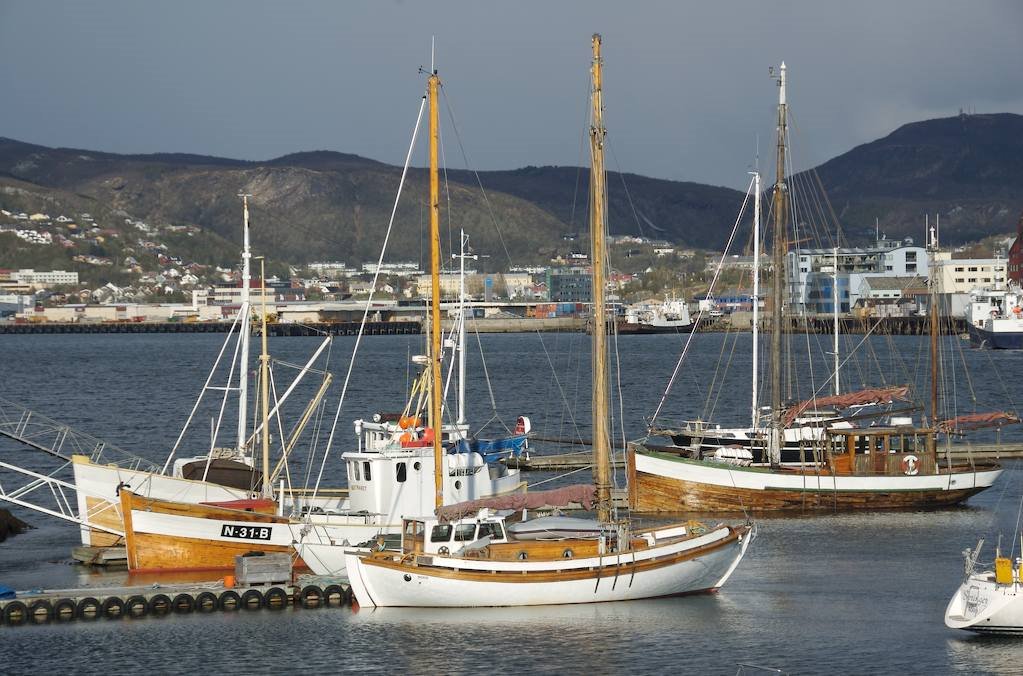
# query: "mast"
933,237
601,384
264,384
755,411
243,333
461,256
778,257
435,422
834,294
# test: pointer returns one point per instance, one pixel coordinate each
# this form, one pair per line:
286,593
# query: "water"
851,593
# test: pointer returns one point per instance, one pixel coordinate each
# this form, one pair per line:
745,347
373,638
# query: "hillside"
327,205
968,168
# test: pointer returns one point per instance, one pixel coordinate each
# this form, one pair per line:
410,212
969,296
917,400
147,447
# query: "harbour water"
850,593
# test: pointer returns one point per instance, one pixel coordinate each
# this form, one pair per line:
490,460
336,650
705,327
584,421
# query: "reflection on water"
849,593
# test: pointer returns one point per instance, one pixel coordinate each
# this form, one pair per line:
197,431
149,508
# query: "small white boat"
991,601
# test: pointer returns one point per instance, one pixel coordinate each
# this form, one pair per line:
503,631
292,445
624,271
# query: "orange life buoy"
911,465
1017,310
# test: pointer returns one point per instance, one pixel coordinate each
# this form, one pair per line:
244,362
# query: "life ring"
911,465
1017,310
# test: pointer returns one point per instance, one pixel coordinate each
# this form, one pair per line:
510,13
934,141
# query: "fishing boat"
489,553
822,462
669,316
389,474
994,318
224,473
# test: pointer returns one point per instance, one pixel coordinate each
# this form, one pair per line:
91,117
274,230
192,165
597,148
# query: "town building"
963,275
569,285
812,276
1015,263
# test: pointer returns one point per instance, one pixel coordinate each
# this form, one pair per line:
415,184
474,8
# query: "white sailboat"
467,556
989,600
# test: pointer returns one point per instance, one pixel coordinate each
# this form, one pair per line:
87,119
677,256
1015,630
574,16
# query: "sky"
687,91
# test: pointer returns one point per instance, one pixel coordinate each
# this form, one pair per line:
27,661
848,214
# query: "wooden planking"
103,513
150,552
661,494
201,511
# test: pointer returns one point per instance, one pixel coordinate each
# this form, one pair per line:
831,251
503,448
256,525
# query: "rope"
369,300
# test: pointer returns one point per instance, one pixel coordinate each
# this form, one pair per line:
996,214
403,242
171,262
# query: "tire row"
43,611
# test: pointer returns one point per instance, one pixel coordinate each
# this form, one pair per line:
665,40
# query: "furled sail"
976,421
874,395
557,497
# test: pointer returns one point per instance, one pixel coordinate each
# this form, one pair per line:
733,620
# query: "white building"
42,279
963,275
811,272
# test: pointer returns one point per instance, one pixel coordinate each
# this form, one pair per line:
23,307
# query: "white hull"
764,479
96,487
426,586
983,606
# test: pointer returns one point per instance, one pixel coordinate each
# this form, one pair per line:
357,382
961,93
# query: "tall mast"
264,383
461,256
933,250
780,247
834,299
601,384
243,332
755,410
435,422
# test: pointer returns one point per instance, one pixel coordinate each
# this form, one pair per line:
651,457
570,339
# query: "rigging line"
583,136
479,181
865,336
561,390
369,300
628,195
699,315
447,187
486,375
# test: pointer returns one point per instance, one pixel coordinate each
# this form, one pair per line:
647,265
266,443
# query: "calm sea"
860,593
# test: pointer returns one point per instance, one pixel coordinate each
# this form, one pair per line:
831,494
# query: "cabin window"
494,530
464,532
365,470
358,477
414,528
441,533
399,472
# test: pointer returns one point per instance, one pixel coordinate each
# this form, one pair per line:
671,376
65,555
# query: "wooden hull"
660,482
702,564
660,494
160,535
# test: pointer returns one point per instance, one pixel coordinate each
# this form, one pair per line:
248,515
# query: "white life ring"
911,465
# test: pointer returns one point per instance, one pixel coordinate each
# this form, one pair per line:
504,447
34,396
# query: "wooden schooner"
475,555
840,465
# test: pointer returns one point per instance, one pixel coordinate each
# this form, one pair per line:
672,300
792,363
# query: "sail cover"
875,395
976,421
557,497
491,449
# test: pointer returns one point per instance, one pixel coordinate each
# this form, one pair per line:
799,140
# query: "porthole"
567,553
407,577
458,485
523,556
417,466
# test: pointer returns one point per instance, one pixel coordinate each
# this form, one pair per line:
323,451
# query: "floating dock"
88,604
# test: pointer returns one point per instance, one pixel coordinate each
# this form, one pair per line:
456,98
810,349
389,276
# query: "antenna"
433,51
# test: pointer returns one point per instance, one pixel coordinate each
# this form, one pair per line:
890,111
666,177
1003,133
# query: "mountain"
327,205
968,169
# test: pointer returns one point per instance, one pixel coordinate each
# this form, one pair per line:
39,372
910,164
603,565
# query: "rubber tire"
311,597
108,606
183,604
252,599
136,607
34,608
206,602
13,608
332,592
64,610
275,599
159,605
86,603
229,601
349,597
